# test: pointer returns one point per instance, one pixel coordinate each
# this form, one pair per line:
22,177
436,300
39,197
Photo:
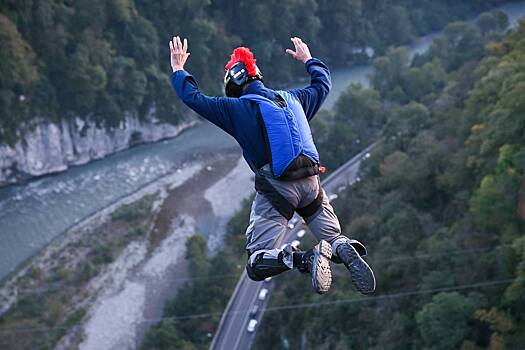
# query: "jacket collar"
257,87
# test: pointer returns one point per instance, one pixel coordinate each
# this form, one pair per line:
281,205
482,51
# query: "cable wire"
373,261
394,295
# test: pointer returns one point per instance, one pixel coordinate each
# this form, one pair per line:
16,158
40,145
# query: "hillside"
98,60
441,208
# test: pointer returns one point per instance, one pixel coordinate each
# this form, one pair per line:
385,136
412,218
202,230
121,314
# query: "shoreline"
148,271
78,229
86,220
32,178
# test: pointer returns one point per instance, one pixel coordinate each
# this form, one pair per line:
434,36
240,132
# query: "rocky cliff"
46,147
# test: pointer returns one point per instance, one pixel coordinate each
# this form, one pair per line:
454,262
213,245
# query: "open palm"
178,53
302,52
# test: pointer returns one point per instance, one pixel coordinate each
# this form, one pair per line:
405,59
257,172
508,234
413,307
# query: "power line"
352,300
387,296
444,253
414,257
398,294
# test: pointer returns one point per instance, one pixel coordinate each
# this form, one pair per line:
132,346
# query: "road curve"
231,334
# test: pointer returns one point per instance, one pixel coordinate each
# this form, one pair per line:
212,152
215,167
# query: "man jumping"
273,131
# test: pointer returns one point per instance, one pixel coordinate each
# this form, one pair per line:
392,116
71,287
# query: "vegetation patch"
438,206
52,295
212,281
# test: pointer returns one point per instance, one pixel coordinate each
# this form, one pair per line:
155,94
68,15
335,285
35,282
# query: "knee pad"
252,274
265,264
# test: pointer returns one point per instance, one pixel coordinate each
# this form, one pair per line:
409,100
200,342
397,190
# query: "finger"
171,46
294,41
291,53
175,43
179,42
298,47
298,44
185,46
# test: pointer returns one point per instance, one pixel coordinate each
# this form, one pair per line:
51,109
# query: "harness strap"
312,208
280,203
276,199
301,167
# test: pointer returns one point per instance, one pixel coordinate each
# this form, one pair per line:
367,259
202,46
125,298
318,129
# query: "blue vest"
287,131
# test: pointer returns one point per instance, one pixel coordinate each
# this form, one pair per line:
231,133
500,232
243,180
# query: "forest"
98,59
441,206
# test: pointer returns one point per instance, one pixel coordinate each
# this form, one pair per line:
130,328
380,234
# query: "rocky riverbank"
45,147
113,272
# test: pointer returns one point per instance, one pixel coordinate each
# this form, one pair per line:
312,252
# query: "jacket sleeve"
313,96
215,109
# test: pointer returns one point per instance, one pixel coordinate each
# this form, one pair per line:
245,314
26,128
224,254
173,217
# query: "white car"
301,233
251,325
332,196
262,294
295,243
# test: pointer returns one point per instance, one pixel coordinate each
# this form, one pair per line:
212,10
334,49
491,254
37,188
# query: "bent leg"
325,226
264,234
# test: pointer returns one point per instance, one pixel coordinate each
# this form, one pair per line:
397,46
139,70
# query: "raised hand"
178,53
302,52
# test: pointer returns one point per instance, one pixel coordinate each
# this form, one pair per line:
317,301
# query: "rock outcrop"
46,148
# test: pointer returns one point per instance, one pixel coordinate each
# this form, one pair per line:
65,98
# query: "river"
33,214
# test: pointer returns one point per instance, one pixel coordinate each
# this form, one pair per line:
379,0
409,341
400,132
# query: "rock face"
46,147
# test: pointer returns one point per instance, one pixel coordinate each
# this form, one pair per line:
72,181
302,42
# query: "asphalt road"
232,333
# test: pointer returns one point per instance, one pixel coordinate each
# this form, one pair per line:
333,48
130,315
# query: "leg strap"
276,199
313,207
282,205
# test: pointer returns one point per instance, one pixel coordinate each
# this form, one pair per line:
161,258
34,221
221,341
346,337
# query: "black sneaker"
362,275
316,261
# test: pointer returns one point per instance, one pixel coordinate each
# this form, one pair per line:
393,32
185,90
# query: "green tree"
405,123
460,43
389,70
18,64
495,20
444,322
166,335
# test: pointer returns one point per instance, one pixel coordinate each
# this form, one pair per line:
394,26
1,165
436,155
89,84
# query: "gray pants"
267,227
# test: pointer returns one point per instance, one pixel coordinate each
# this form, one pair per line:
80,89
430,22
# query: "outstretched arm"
313,96
214,109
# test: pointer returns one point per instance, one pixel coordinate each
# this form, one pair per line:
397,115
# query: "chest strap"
280,203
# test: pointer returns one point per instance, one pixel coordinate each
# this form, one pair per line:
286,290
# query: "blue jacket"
239,117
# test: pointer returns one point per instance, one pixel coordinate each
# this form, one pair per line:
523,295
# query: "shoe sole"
362,275
321,272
